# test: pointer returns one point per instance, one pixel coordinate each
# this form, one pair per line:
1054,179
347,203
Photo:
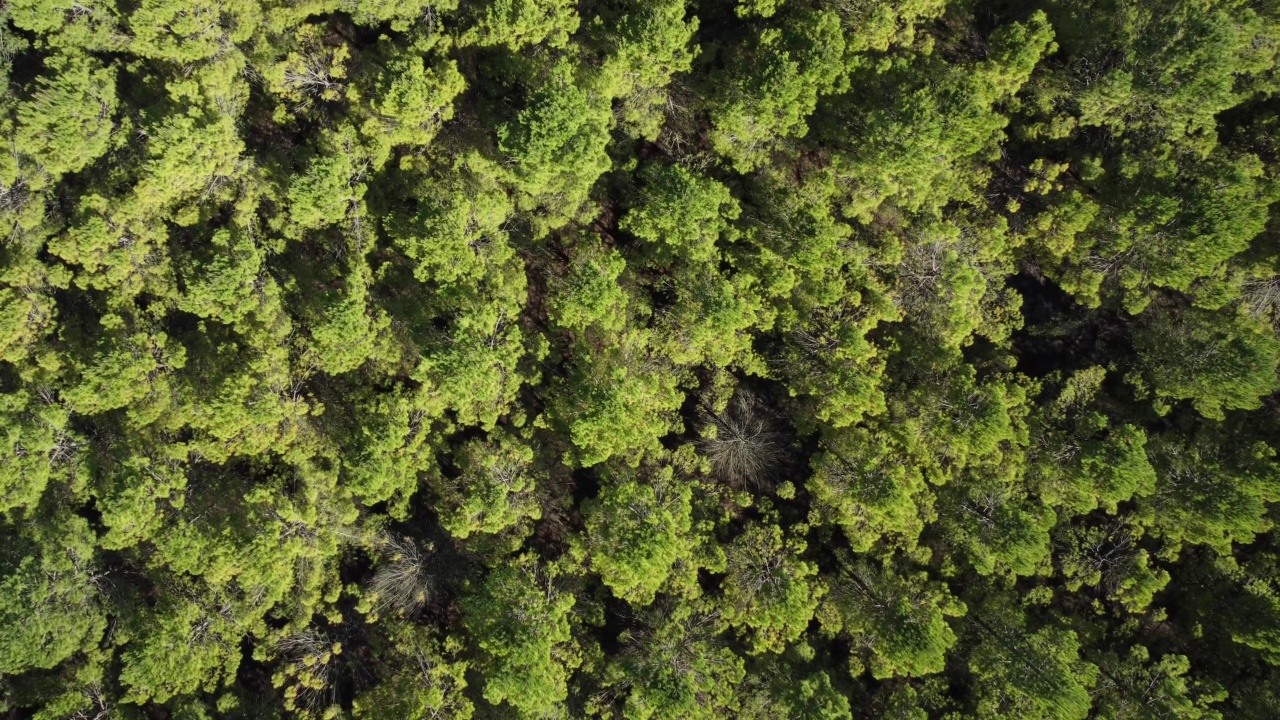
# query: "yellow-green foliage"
639,359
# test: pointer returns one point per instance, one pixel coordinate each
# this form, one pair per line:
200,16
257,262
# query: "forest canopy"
639,359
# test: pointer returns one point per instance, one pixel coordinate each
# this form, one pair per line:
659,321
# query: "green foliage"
618,402
682,215
67,124
518,620
50,596
38,447
494,490
898,620
1081,463
517,23
456,237
557,148
1217,362
330,190
477,375
953,118
1135,686
1107,558
769,592
859,484
422,677
833,363
811,698
626,359
223,285
1207,494
781,72
184,33
1036,675
346,333
675,668
1169,205
639,531
1257,624
651,45
307,69
409,101
399,14
589,295
184,648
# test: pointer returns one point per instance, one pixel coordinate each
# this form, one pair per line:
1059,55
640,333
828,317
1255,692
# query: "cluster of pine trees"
639,359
